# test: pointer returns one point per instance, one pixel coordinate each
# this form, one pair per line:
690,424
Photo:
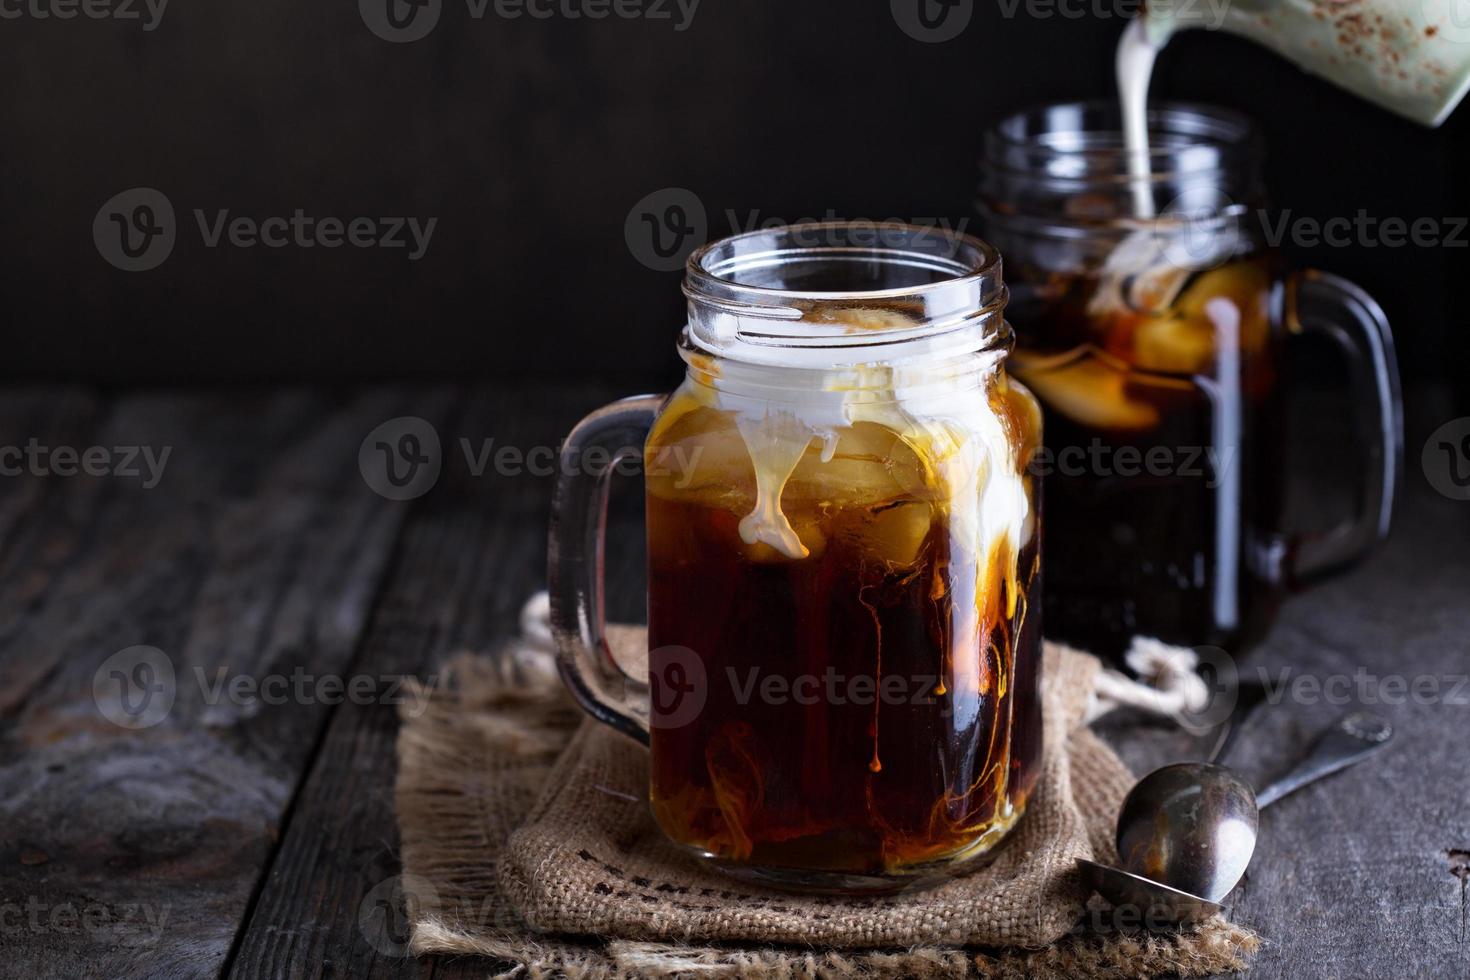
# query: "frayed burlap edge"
473,764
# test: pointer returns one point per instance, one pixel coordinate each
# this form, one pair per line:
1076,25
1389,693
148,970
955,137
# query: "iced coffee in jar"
1152,322
843,538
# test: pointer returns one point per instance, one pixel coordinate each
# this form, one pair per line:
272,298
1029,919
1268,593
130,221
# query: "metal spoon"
1187,831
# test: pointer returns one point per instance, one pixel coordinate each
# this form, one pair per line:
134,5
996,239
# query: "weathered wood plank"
267,554
1355,876
39,522
1352,878
470,556
258,552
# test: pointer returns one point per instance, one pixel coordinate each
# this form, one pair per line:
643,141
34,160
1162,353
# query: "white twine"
536,622
1169,682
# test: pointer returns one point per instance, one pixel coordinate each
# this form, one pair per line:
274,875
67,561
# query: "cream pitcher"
1409,56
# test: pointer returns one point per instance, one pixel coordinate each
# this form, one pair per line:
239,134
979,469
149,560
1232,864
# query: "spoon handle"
1352,739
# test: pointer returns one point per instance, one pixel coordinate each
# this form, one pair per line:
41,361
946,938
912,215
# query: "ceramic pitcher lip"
1411,57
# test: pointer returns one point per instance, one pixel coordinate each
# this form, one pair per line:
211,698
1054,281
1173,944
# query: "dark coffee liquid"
1165,458
866,710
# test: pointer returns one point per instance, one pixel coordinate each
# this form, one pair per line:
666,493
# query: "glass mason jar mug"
842,687
1156,346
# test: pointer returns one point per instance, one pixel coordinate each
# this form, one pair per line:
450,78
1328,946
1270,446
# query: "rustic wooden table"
241,834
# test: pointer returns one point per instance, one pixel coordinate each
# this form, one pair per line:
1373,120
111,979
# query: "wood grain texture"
470,556
134,852
256,840
1355,876
1352,877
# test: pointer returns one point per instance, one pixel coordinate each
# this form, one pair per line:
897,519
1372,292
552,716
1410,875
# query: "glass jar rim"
717,267
779,295
1186,139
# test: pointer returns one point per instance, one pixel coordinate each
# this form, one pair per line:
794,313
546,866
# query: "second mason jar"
843,537
1152,322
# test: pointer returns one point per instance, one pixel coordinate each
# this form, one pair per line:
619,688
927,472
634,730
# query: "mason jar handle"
575,563
1317,303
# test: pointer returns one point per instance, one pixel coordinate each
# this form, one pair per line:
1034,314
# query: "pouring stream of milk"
1134,67
1138,266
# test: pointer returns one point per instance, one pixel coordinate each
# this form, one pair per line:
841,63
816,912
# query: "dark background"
531,140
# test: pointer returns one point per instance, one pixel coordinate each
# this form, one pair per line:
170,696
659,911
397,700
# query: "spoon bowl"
1187,831
1192,825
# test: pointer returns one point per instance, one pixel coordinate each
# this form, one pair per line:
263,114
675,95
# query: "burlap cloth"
526,837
